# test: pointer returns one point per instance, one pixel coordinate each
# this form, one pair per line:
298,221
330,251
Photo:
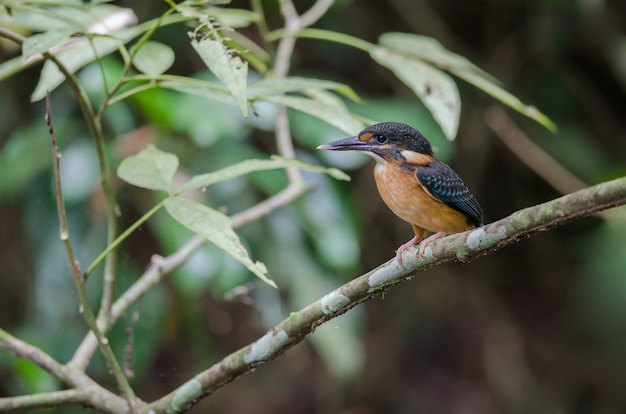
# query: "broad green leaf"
232,70
153,58
338,116
431,51
216,228
76,57
151,168
73,59
58,15
435,88
81,53
272,86
248,166
200,88
44,42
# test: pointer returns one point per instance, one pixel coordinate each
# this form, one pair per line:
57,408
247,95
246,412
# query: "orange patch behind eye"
365,137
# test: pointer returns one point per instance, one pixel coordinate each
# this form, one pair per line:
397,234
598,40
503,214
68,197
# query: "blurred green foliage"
537,327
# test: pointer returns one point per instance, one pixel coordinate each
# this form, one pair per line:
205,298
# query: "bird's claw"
422,246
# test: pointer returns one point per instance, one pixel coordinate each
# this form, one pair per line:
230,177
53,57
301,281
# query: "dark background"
538,327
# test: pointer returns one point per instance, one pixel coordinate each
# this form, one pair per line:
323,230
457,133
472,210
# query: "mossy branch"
458,247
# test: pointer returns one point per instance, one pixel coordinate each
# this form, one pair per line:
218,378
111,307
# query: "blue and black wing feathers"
444,184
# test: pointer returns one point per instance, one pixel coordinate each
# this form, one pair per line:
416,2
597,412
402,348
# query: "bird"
425,192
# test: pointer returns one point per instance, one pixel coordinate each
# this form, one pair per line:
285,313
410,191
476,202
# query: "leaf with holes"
231,69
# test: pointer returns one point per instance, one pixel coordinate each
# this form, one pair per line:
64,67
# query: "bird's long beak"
346,144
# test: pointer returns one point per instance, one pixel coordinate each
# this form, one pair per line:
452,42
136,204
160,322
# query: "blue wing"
444,184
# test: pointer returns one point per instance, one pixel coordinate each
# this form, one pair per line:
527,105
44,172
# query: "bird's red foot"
426,241
405,246
422,249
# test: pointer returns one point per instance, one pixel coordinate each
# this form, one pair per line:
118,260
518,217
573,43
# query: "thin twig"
26,351
46,399
64,231
311,16
293,24
458,247
112,209
257,7
85,306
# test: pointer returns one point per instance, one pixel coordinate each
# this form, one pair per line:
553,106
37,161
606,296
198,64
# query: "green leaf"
233,18
215,227
248,166
231,69
43,42
272,86
429,50
336,115
73,59
435,88
151,168
153,58
76,57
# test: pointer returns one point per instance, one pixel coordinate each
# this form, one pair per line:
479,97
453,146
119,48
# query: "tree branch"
26,351
86,391
47,399
458,247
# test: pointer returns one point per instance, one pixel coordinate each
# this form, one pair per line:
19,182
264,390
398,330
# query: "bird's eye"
381,139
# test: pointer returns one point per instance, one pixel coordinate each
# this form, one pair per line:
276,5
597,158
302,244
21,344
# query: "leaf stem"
261,23
130,92
328,35
121,238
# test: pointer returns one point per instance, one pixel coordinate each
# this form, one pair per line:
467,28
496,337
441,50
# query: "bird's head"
387,142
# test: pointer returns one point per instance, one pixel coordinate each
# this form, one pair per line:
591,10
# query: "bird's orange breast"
403,194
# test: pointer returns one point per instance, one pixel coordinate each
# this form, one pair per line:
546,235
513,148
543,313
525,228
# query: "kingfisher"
425,192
